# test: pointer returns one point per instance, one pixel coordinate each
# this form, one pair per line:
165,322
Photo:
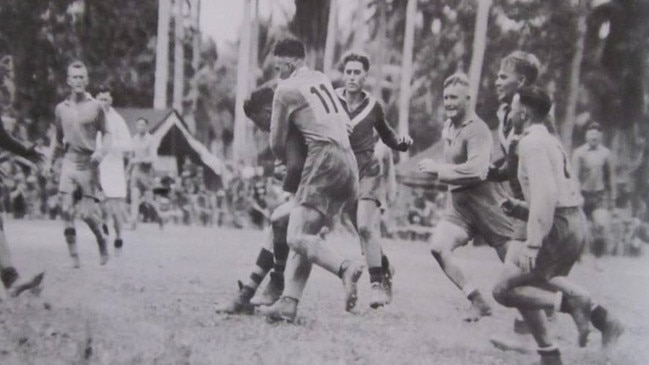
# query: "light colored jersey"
77,125
144,152
593,168
308,100
467,152
547,179
112,176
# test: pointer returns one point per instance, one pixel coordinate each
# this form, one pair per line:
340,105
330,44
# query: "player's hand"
350,128
96,158
428,165
525,258
404,143
34,156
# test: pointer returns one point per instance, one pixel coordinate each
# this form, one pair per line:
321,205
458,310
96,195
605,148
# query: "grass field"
155,305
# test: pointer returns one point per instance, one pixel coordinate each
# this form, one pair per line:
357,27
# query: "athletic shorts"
476,209
329,179
115,207
79,175
594,200
563,245
295,155
142,179
371,186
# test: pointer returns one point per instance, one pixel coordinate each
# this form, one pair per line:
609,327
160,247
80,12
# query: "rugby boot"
240,304
387,282
284,310
579,308
351,273
611,332
119,243
76,263
479,308
9,276
378,296
273,291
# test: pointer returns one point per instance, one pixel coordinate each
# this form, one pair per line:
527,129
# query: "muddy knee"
500,294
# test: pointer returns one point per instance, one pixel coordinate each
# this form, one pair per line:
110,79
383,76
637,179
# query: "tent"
173,139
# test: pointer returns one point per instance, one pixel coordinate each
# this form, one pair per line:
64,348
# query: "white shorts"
112,177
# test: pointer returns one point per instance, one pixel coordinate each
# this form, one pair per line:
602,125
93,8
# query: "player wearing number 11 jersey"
329,179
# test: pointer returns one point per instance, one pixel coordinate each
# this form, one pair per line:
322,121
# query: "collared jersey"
543,159
77,126
308,100
593,167
467,152
365,118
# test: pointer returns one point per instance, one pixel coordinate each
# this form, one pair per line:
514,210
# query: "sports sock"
263,265
280,247
598,316
376,274
385,263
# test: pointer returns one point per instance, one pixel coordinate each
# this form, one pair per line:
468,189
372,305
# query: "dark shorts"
563,245
593,200
79,175
295,155
477,211
371,186
329,179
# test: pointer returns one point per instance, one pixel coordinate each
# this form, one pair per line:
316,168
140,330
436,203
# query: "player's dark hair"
357,56
524,64
104,89
536,100
594,126
77,65
289,47
258,99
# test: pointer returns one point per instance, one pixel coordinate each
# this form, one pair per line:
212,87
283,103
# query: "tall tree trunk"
406,71
575,71
479,44
330,45
243,67
162,55
179,56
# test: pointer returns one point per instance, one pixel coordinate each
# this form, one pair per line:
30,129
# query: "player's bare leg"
369,218
304,238
136,199
11,283
445,240
70,233
91,215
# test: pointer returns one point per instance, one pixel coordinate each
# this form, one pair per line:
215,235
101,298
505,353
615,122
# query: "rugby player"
329,179
112,172
473,204
78,120
594,169
534,276
366,114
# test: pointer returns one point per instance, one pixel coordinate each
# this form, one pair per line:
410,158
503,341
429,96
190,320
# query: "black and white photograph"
271,182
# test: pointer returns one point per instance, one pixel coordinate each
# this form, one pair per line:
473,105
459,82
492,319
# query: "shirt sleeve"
542,192
58,141
9,143
576,164
478,147
279,123
387,134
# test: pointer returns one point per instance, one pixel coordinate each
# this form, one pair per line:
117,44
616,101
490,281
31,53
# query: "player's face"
140,126
593,138
518,113
262,117
284,66
507,83
354,76
105,99
456,101
7,86
78,79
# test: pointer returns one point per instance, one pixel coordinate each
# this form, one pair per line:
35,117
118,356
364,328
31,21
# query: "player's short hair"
146,121
357,56
523,63
104,89
458,78
536,100
289,47
77,65
257,101
594,126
